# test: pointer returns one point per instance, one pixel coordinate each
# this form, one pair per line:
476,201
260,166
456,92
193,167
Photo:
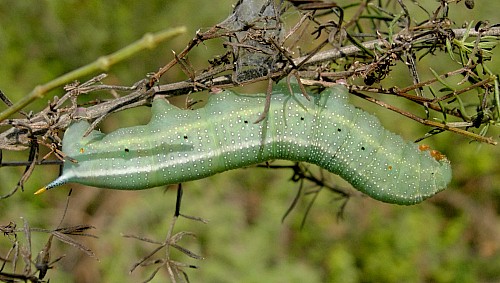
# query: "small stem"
103,63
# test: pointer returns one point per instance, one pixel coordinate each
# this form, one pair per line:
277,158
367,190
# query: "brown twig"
427,122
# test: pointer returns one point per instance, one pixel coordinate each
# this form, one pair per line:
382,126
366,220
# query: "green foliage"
453,238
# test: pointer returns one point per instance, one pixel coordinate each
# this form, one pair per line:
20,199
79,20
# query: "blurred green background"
454,237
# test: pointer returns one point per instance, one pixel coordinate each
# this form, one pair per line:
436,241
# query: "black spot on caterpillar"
326,131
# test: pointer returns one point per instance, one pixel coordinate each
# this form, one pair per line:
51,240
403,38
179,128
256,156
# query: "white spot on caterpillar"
178,146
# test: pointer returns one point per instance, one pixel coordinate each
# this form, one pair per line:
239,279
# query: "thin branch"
149,41
426,122
333,54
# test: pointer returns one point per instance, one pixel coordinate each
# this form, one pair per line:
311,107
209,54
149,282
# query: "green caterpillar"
182,145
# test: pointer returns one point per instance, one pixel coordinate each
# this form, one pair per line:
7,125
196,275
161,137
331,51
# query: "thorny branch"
55,118
174,268
44,259
259,48
321,47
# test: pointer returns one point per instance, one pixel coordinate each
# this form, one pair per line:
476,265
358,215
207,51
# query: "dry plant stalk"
320,47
